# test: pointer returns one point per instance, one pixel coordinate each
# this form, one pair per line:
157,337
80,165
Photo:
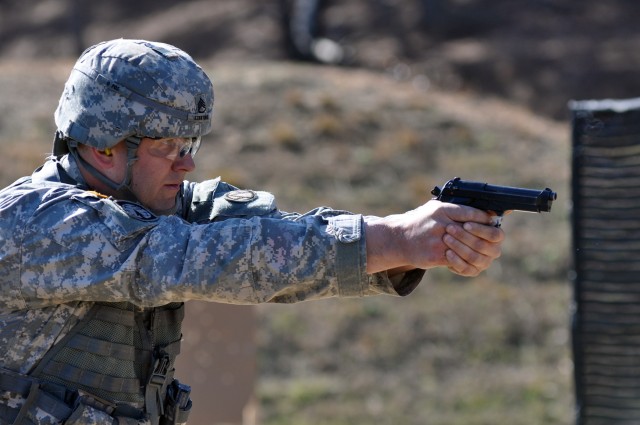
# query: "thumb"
463,214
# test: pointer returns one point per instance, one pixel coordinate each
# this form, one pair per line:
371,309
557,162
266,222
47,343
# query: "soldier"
103,244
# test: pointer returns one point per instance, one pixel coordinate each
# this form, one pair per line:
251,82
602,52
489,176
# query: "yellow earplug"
107,152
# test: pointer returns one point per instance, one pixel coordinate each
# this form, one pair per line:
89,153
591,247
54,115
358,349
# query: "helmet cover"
122,88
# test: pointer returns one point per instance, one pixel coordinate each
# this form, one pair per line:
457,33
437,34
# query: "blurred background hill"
539,53
428,90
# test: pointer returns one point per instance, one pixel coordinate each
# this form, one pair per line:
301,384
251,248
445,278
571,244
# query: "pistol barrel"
495,198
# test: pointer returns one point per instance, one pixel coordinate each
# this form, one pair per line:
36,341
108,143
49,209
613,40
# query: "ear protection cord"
123,189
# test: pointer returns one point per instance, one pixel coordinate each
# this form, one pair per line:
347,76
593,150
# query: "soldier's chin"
169,211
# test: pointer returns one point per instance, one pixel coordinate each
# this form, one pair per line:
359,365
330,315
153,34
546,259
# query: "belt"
55,400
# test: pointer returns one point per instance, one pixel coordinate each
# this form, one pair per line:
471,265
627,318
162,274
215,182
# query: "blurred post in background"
218,361
606,238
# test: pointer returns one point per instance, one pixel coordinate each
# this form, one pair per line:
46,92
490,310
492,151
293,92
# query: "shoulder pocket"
242,203
213,200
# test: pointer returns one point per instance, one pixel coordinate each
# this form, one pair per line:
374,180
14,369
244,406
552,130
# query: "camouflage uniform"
67,249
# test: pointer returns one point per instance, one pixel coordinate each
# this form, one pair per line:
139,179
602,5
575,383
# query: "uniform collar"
64,170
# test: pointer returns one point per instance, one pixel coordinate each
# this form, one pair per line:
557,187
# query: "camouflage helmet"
123,88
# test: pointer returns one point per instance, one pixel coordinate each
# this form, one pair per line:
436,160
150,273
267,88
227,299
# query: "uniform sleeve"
207,201
85,248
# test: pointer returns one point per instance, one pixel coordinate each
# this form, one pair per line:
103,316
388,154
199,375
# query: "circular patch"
137,211
241,196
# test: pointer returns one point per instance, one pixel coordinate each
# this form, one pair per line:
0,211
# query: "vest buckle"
160,370
157,385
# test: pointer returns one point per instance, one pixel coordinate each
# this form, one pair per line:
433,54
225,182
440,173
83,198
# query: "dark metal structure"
606,242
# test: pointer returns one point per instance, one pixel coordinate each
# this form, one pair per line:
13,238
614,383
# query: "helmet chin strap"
123,189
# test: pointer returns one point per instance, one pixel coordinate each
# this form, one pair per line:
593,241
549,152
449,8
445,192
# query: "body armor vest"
117,362
120,355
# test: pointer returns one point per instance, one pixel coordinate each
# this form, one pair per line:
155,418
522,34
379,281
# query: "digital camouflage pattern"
123,88
65,247
63,244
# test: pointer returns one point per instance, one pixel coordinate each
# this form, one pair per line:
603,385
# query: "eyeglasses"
174,147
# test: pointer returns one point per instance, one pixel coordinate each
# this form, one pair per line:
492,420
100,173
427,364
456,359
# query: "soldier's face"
156,180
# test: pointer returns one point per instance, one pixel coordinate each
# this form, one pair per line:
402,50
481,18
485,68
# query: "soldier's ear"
103,157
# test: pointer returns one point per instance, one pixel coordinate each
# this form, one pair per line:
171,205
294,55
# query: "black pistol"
498,199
